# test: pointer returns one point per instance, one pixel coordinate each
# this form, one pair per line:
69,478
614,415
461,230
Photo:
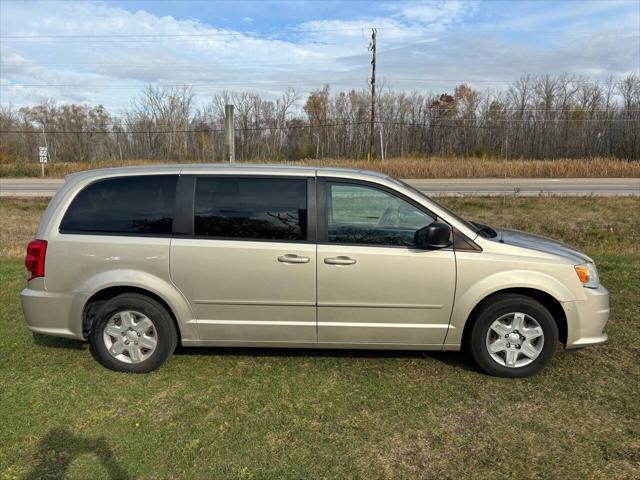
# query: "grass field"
432,167
253,414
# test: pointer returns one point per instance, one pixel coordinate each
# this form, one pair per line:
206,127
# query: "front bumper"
586,319
52,313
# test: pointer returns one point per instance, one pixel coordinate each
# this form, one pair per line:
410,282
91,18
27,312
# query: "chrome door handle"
293,258
341,260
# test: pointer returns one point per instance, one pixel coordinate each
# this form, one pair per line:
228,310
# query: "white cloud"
196,54
421,45
430,12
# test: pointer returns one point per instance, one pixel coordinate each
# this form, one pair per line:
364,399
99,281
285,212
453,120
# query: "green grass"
225,413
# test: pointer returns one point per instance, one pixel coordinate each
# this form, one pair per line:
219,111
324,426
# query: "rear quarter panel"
82,265
85,264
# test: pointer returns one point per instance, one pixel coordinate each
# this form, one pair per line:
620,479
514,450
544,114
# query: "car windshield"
475,227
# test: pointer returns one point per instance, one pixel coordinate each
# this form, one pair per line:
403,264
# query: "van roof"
219,167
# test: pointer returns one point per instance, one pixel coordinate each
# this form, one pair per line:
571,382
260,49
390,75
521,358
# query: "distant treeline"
536,117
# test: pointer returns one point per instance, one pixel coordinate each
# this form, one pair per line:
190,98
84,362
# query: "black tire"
476,341
167,337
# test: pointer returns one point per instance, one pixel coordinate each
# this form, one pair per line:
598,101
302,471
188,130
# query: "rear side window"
125,205
251,208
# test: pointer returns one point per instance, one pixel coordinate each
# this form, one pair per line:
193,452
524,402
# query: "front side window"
359,214
251,208
140,205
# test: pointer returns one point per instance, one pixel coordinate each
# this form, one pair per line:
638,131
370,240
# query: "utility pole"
372,49
381,143
506,143
230,131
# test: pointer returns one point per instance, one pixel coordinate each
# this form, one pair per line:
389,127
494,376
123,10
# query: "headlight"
588,275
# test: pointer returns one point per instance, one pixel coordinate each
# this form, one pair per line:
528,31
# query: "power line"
572,109
434,122
166,64
267,83
178,35
452,124
119,38
271,33
214,62
130,119
167,85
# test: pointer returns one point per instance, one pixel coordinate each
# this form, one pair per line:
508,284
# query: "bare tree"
537,117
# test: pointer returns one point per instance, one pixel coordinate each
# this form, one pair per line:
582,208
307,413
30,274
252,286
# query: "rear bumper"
52,313
586,319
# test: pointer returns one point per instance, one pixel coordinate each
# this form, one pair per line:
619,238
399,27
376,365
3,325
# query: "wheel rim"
515,340
130,337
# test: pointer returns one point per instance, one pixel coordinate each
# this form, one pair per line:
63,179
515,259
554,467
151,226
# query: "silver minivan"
138,259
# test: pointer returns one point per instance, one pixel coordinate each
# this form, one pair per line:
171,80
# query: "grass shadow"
58,342
60,446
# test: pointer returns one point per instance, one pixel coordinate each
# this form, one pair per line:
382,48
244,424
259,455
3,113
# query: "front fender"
469,294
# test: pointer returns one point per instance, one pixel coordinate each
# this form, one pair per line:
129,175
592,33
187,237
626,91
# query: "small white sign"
44,155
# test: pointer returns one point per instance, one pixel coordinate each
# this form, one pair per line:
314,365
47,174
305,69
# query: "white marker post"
44,157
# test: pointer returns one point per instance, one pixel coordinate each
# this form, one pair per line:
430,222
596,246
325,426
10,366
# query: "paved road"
606,187
29,187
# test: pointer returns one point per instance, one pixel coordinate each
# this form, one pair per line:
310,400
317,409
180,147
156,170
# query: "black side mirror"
436,235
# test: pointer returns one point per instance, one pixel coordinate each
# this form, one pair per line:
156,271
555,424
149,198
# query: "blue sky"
88,51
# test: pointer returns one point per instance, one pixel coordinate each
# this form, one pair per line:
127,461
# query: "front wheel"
513,336
132,333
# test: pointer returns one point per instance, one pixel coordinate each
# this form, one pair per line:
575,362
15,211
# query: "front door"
249,269
374,287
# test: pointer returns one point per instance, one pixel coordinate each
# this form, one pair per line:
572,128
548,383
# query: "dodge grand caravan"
138,259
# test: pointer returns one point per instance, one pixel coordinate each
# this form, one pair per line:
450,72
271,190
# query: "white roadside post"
44,157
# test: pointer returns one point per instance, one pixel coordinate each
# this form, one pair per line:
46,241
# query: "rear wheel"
513,336
133,333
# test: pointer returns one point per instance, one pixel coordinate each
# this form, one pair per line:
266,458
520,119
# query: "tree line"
547,117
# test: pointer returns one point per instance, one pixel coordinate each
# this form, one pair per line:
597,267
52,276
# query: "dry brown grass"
497,168
435,167
18,223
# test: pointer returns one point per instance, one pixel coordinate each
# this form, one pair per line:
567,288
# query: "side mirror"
436,235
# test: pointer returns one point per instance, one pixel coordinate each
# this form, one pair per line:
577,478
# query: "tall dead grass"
20,217
496,168
434,167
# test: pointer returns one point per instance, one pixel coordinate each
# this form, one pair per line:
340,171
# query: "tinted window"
370,216
251,208
127,205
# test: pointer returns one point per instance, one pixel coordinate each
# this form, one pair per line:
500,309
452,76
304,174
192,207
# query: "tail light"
34,261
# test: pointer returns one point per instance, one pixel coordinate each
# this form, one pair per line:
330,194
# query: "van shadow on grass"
452,359
58,342
59,447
